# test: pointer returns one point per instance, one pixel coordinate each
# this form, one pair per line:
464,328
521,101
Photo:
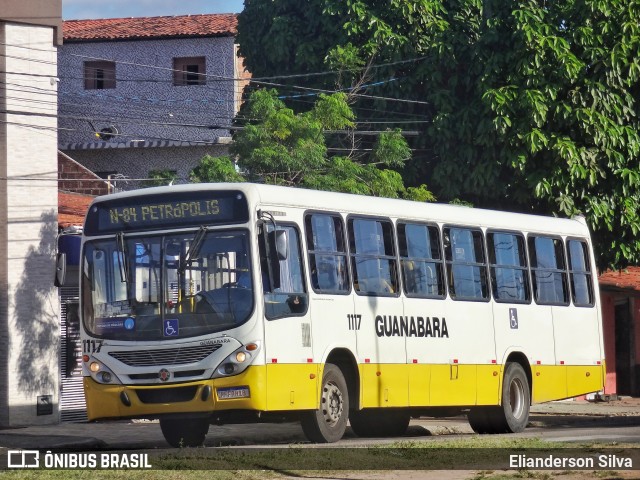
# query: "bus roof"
270,195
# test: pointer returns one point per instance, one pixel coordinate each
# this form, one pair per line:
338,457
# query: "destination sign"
164,211
178,209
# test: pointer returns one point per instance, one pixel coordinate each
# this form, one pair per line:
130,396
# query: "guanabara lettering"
402,326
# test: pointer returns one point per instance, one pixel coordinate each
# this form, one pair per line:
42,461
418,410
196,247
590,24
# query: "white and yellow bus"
221,303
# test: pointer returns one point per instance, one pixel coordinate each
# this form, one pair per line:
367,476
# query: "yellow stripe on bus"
282,387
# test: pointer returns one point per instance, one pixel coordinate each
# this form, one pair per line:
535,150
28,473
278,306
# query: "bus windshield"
166,286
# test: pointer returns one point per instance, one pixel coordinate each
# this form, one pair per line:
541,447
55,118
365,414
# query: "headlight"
238,361
99,371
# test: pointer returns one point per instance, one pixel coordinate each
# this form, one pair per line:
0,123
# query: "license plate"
233,392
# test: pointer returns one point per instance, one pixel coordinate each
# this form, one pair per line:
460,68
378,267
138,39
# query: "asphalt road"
584,423
143,435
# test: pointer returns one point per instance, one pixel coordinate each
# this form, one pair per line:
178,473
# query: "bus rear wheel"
481,419
328,423
516,400
513,413
379,422
184,432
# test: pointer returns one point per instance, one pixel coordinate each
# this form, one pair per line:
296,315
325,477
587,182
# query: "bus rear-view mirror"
61,269
281,244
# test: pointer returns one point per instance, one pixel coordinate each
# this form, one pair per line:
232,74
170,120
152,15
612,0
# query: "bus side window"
373,257
421,260
548,270
327,253
508,267
580,273
466,265
290,298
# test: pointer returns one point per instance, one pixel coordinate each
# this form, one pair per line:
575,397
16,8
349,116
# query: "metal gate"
72,404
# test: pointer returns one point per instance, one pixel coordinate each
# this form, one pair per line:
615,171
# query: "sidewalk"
126,435
626,406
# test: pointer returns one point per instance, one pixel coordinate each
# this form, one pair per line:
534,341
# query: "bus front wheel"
182,432
328,423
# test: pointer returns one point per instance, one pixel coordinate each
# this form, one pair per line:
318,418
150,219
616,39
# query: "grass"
479,453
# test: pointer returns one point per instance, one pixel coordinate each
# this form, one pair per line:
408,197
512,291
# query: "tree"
528,105
285,148
215,169
158,178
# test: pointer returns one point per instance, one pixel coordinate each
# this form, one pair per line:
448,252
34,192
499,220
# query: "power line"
220,77
274,77
41,91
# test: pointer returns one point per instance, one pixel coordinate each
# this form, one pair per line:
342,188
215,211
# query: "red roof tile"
150,27
627,279
72,208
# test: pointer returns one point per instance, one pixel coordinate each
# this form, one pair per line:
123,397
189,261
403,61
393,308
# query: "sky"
90,9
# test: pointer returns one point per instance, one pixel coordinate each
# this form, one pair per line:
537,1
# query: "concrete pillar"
29,305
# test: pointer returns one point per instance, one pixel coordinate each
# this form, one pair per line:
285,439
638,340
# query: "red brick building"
77,187
620,294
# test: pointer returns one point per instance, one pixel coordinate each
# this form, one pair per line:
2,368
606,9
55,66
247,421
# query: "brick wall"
73,177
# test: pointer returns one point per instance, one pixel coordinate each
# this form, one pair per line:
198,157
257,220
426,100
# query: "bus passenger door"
292,376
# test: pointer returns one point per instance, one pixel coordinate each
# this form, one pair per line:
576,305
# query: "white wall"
29,306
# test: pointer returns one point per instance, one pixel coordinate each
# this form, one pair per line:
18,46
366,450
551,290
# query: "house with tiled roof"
147,94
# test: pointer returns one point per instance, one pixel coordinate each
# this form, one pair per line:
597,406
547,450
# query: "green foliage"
286,148
159,178
215,169
391,149
281,147
527,106
419,194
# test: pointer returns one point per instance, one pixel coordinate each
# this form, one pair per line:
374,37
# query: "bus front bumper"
243,392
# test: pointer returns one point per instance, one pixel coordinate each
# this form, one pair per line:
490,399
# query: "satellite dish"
108,133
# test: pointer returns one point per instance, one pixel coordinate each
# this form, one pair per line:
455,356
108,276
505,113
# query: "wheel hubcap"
516,397
332,403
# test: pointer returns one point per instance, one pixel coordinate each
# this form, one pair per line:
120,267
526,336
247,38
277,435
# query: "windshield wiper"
194,249
123,259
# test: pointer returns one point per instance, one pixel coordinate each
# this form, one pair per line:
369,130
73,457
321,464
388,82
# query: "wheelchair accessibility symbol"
513,317
171,328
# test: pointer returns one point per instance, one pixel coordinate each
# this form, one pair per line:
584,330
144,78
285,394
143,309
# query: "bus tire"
481,419
513,414
328,423
183,432
379,422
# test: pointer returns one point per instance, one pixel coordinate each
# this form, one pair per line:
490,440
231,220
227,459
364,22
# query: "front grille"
167,395
188,373
154,375
165,356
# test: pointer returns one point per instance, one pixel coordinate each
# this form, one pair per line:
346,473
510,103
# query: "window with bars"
99,75
189,71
